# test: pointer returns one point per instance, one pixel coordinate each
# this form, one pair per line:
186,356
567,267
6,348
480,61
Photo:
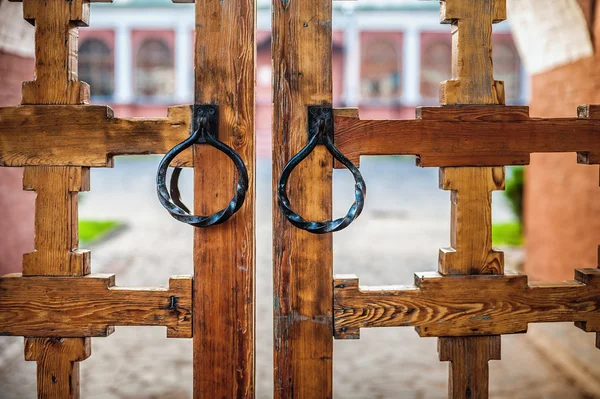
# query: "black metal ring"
171,199
360,187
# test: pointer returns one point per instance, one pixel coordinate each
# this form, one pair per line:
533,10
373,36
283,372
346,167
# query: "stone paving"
405,222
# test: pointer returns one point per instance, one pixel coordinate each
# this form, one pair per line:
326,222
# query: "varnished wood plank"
471,249
302,262
90,306
56,359
440,306
86,135
224,255
469,136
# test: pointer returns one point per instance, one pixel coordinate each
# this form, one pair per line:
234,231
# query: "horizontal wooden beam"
86,135
469,136
90,306
467,305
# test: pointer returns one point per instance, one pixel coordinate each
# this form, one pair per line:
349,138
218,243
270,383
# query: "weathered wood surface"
302,262
56,36
472,71
90,306
56,231
56,83
469,356
57,364
469,136
473,83
86,135
441,306
470,250
224,255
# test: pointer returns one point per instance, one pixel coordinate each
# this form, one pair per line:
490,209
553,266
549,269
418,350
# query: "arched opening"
96,67
154,69
436,67
380,70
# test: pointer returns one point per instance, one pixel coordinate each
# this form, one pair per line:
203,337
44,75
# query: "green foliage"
510,234
514,191
94,230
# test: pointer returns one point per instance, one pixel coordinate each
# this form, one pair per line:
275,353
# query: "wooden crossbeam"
470,135
440,306
86,135
90,306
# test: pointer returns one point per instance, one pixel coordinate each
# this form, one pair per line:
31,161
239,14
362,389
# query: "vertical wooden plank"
471,253
56,359
469,374
302,262
224,255
471,249
56,230
56,38
56,234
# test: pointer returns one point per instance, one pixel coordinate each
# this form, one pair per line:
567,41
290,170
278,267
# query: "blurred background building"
388,58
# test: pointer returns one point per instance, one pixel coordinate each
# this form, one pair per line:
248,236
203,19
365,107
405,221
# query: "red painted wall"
16,205
562,198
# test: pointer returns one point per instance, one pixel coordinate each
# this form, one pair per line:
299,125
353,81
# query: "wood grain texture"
56,253
86,135
56,35
471,249
441,306
472,69
224,255
90,306
302,262
56,229
469,136
58,364
469,357
473,84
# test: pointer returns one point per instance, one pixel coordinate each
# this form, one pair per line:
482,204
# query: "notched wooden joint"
87,135
470,305
90,306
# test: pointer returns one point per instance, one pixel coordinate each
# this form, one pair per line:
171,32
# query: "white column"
123,66
411,65
184,85
351,60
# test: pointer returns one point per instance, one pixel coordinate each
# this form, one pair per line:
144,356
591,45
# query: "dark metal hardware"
320,131
205,122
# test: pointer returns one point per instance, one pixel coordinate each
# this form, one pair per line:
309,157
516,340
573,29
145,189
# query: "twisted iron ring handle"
171,199
360,187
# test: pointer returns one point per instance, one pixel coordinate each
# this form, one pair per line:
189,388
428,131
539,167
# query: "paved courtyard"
405,222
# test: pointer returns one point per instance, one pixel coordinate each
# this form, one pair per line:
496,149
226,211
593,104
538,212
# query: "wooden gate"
470,302
56,303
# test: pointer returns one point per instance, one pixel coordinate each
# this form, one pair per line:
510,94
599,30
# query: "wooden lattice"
56,303
470,301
